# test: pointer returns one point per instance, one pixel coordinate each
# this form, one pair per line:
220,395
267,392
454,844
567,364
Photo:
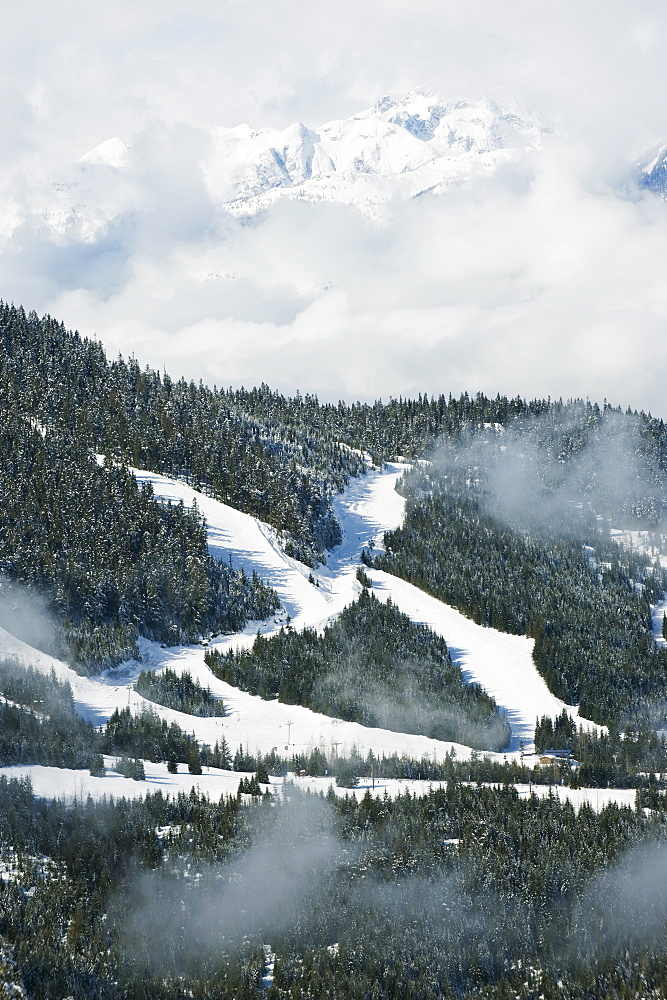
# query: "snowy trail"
369,507
502,664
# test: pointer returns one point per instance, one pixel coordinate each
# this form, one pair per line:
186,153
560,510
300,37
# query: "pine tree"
194,765
97,768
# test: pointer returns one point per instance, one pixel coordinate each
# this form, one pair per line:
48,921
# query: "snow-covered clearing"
653,544
501,663
70,785
645,542
597,798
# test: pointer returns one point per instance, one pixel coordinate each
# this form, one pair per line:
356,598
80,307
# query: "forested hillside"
374,666
142,418
109,560
413,428
517,537
112,563
465,892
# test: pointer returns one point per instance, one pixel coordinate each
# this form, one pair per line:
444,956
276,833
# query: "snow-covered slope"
68,784
370,506
502,664
652,173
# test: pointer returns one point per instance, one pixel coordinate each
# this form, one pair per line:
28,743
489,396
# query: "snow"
396,149
70,785
111,153
651,543
370,505
76,785
501,663
269,965
651,174
646,542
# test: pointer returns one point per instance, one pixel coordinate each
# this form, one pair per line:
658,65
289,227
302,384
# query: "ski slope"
369,507
501,663
70,785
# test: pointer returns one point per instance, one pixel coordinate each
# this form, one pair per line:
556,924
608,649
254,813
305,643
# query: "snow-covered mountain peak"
111,153
652,173
394,149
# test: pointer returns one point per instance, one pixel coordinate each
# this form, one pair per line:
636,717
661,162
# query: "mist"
576,475
400,703
180,916
26,615
626,904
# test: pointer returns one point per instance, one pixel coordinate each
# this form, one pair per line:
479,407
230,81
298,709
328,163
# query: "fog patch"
25,614
626,904
400,704
561,477
189,915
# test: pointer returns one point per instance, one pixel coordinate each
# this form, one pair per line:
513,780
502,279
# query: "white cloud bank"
540,280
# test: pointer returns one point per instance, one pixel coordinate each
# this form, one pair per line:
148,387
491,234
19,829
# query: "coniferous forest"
463,892
78,529
374,666
584,599
473,889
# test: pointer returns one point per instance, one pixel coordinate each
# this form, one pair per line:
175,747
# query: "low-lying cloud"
263,890
627,902
25,614
526,482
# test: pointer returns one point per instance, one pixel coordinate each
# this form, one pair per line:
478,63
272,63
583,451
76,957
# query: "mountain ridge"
394,149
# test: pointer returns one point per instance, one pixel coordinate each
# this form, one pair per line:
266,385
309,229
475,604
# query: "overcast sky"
550,280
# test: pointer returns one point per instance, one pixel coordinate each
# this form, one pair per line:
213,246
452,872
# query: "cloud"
525,482
24,613
626,903
180,917
541,280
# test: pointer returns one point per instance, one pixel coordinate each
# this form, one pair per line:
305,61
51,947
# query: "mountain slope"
652,174
369,507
